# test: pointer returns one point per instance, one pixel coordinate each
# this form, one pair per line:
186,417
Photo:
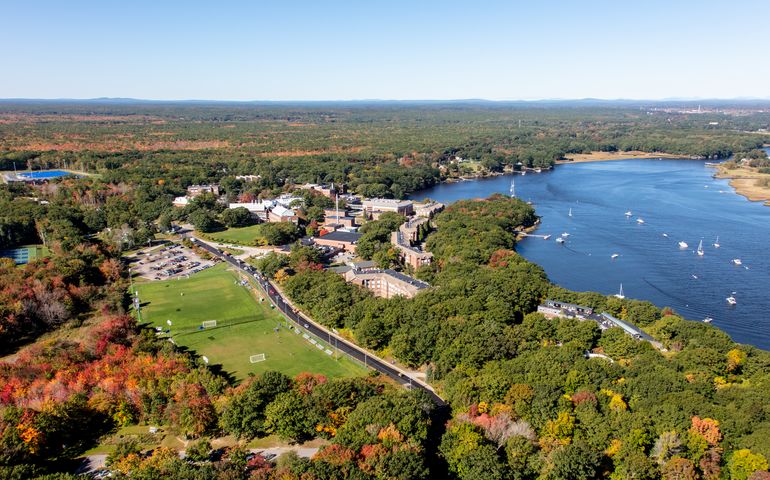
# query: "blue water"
45,174
676,197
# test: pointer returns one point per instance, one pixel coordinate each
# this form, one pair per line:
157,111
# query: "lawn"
244,326
240,236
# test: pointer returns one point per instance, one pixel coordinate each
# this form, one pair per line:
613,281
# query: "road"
321,332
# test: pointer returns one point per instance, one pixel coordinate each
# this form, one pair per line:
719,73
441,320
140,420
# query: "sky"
372,49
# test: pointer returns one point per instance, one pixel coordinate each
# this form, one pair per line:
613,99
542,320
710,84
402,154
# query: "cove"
678,201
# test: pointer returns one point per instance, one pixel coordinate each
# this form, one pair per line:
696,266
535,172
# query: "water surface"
678,198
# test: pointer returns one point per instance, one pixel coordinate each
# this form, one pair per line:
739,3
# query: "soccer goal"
209,324
260,357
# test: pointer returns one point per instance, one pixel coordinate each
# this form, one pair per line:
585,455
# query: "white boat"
614,256
628,213
731,300
565,234
639,221
665,235
538,170
570,212
546,237
559,240
683,245
620,293
708,320
716,243
700,248
513,188
694,276
737,261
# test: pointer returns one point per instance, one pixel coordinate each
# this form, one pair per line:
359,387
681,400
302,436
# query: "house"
195,190
374,207
279,213
339,239
553,308
248,178
386,283
181,202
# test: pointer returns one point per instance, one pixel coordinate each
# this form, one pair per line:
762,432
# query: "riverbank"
747,182
608,156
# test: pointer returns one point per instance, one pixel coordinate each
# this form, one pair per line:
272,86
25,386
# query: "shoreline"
745,183
610,156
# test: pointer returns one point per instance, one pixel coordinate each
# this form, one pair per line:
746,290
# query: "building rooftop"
342,236
406,278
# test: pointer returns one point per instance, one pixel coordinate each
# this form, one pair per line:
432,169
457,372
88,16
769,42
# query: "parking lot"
170,261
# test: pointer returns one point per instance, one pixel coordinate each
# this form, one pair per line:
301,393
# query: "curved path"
302,321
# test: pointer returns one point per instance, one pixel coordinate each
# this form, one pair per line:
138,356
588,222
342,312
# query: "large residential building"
339,239
384,283
374,207
195,190
258,210
329,191
406,239
427,210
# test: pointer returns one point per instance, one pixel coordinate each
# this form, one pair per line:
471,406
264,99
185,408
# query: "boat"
628,213
700,248
559,240
565,234
716,243
513,188
683,245
639,221
570,212
538,170
620,293
708,320
737,261
731,300
665,235
546,237
694,276
614,256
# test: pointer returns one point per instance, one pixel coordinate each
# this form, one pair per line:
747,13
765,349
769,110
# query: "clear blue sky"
366,49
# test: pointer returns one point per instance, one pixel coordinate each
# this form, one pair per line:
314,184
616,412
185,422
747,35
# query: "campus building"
374,207
195,190
339,239
406,239
385,283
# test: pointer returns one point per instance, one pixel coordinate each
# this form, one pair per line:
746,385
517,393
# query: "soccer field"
245,326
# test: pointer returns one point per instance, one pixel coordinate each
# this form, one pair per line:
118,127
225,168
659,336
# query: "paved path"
343,345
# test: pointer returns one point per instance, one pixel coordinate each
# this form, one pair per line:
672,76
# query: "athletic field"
244,326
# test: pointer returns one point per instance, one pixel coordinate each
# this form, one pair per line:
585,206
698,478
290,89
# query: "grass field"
241,236
244,326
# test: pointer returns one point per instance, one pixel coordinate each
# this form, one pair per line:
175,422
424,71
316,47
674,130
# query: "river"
678,200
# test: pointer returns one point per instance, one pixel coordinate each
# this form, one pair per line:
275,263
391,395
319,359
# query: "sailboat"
731,300
620,293
570,212
513,188
683,244
716,243
700,248
628,213
639,221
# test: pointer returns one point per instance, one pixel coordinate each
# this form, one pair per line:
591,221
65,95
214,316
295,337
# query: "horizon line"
386,100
